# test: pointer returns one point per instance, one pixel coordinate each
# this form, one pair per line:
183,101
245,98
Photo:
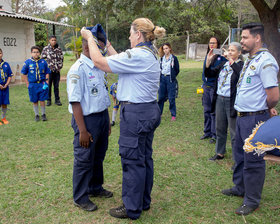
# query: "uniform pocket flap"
128,147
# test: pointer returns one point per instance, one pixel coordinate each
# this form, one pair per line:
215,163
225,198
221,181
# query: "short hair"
254,29
52,36
161,53
1,50
148,29
35,47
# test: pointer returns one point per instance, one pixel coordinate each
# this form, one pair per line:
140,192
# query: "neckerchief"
248,61
2,71
225,78
147,45
103,52
38,78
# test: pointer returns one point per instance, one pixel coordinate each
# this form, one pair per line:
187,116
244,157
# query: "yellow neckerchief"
2,71
248,61
38,78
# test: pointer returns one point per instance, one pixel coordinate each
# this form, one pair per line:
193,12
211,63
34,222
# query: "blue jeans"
209,118
223,121
167,89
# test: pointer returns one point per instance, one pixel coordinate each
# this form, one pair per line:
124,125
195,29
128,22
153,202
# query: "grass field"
36,162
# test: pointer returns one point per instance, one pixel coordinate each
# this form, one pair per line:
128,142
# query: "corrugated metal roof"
30,18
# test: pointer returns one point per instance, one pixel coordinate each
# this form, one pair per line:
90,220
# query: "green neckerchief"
38,78
248,61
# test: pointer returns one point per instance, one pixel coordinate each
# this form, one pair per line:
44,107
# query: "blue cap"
95,29
265,137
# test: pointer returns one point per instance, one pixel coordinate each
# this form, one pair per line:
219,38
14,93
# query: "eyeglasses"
212,42
35,52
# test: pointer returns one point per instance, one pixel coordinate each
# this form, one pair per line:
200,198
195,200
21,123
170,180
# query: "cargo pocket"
147,125
128,147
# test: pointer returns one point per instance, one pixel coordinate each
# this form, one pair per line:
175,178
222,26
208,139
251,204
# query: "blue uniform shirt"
139,75
257,75
223,88
35,70
86,85
166,65
5,72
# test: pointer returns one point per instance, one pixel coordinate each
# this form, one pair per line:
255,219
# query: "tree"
269,17
29,7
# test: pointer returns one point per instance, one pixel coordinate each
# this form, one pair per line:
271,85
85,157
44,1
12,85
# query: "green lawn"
36,162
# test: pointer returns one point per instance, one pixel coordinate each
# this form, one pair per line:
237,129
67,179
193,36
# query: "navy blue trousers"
88,163
168,89
209,118
137,125
249,172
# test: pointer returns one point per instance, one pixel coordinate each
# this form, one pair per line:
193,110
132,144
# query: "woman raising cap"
139,74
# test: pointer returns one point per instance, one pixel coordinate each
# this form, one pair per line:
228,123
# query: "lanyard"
2,71
248,61
147,46
38,78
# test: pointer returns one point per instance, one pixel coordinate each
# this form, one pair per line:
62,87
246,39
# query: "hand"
225,54
84,139
1,87
273,112
27,84
209,58
86,34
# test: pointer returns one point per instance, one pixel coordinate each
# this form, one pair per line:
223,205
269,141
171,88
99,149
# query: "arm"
213,71
97,58
237,67
85,136
25,80
111,50
47,78
176,65
7,83
272,96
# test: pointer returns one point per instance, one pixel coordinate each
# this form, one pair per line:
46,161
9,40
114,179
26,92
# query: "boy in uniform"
36,73
5,79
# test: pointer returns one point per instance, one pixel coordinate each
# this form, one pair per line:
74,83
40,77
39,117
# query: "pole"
188,43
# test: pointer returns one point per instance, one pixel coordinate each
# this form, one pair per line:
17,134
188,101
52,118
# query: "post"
188,43
53,29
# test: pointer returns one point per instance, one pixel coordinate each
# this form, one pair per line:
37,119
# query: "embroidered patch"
74,81
252,67
91,76
248,80
268,65
74,76
94,91
128,53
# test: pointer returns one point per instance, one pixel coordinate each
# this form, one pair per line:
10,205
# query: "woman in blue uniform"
139,73
169,66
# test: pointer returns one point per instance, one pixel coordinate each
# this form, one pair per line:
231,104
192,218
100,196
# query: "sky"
52,4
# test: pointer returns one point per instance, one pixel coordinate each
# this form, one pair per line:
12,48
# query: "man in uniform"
54,57
257,95
88,102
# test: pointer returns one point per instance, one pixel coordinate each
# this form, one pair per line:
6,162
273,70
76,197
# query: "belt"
165,74
125,102
243,114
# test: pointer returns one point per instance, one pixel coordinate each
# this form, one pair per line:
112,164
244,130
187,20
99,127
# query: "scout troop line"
138,68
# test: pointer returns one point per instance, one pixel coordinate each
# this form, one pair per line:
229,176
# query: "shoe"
44,118
112,123
90,206
245,210
230,192
102,194
4,120
146,209
212,141
58,103
119,212
49,103
37,118
204,137
173,118
216,157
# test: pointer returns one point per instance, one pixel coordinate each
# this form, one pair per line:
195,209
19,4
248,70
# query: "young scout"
36,73
5,79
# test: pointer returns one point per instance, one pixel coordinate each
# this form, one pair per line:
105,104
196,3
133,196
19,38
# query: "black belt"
165,74
243,114
127,102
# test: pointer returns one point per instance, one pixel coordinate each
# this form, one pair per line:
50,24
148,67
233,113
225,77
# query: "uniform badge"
268,65
248,80
74,81
252,67
128,53
94,91
43,71
74,76
91,76
31,71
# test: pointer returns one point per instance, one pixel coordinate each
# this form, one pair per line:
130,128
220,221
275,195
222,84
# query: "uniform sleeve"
25,68
74,86
9,71
44,53
47,69
268,73
126,62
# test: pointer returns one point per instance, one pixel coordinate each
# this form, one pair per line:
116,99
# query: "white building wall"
7,5
16,39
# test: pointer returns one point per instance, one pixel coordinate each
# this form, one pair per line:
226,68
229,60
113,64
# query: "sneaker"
245,209
44,118
102,194
204,137
90,206
4,120
37,118
49,103
173,118
58,103
212,141
230,192
119,212
216,157
112,123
